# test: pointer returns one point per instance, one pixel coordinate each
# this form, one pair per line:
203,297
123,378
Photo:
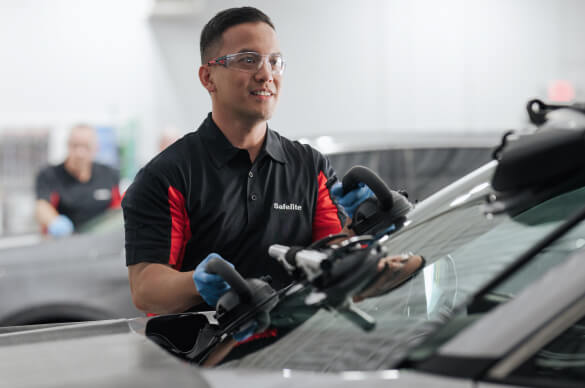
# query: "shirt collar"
222,151
273,146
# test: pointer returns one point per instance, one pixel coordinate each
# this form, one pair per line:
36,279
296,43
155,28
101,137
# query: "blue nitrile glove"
210,286
353,199
246,332
61,226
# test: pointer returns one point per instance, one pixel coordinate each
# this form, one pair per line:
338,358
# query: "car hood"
116,353
75,247
350,379
93,354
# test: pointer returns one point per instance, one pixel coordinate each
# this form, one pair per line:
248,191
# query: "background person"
77,190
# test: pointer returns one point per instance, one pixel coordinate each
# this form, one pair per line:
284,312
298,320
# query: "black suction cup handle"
363,174
231,276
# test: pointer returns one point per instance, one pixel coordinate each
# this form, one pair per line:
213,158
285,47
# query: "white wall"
455,65
372,65
66,61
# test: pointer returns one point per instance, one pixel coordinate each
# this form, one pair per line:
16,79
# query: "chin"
260,116
267,116
267,113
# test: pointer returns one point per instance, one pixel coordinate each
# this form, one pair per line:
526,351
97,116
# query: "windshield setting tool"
533,167
336,273
247,301
538,111
380,214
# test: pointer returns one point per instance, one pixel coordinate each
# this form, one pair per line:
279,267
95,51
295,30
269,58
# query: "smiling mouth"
261,93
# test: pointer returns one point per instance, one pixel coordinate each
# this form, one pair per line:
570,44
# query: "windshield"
464,250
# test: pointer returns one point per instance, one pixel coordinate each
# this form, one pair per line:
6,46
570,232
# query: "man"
233,187
76,190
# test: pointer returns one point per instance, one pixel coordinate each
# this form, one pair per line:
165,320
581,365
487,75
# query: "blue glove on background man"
353,199
61,226
210,286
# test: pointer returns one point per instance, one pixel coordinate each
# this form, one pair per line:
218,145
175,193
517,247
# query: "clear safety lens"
251,61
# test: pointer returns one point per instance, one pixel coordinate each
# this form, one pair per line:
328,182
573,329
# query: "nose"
79,151
264,74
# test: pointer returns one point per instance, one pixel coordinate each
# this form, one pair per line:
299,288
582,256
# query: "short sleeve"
155,221
45,184
329,218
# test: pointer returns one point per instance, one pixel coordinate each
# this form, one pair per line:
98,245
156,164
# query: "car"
500,301
76,278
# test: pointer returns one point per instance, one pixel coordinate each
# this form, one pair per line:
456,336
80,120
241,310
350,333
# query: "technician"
233,187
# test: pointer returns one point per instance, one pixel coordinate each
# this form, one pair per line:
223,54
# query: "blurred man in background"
77,190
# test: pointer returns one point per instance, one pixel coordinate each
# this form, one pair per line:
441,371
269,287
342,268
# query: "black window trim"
503,368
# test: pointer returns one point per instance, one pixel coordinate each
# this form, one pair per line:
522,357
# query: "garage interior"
480,284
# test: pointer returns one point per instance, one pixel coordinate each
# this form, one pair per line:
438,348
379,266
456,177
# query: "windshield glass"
464,250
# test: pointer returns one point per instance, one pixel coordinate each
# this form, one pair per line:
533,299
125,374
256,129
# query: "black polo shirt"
80,201
203,195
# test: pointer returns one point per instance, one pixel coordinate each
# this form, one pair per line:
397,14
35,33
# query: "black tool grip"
363,174
231,276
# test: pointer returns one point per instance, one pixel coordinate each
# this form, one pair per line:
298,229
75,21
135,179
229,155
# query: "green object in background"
127,136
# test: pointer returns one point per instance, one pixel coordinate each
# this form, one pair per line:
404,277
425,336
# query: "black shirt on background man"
80,201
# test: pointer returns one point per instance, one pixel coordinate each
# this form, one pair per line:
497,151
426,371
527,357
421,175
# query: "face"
238,94
82,147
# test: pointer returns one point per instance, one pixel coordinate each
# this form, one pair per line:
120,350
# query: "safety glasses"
250,62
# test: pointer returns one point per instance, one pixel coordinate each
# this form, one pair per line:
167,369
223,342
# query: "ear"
206,79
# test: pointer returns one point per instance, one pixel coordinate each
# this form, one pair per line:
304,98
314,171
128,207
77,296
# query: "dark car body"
76,278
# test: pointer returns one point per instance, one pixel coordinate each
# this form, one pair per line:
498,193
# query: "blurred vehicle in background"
76,278
418,163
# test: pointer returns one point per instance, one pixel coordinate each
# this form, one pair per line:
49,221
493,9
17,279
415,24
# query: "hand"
61,226
246,332
353,199
393,272
210,286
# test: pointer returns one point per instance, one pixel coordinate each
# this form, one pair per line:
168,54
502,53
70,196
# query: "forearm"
160,289
44,212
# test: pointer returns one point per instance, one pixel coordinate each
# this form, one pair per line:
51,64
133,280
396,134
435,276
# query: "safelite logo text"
287,206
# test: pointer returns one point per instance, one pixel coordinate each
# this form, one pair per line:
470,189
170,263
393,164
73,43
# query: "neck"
247,135
81,173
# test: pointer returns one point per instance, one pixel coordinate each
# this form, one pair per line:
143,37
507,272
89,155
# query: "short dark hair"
213,30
